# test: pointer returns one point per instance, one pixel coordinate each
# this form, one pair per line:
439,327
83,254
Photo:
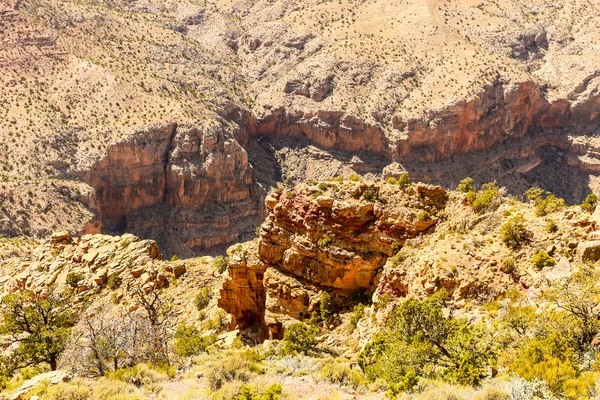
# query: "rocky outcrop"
193,180
126,259
333,237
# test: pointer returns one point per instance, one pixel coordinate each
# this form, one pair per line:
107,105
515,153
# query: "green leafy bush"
325,306
357,313
221,264
404,180
486,197
73,279
514,232
508,265
542,259
466,185
589,204
114,282
551,226
203,298
189,342
548,205
424,215
299,338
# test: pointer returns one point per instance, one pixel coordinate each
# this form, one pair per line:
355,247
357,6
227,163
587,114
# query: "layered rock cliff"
188,186
332,237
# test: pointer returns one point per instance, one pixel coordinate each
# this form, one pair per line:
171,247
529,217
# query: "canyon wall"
189,186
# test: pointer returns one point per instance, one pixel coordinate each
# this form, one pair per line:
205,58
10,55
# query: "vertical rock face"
187,186
334,237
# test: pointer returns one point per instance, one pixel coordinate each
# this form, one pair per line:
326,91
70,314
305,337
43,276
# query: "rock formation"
332,237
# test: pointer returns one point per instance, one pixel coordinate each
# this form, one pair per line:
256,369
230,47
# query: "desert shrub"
228,370
423,215
249,392
404,180
534,194
541,259
391,180
142,374
73,279
489,392
419,340
114,282
486,197
551,226
221,264
299,338
108,389
470,196
355,178
326,309
548,205
357,313
189,342
75,390
508,265
174,257
370,194
339,372
203,297
326,240
465,186
589,204
513,232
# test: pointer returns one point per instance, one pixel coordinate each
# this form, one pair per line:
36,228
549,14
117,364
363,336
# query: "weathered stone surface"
589,251
334,237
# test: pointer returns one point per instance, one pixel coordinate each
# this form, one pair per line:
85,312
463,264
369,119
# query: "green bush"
203,297
174,257
299,338
189,342
541,259
508,265
231,369
357,313
355,178
471,196
404,180
549,205
221,264
513,232
589,204
325,306
534,194
114,282
466,185
551,226
424,215
486,197
73,279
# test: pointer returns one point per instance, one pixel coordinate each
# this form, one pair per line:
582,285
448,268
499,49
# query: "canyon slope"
171,120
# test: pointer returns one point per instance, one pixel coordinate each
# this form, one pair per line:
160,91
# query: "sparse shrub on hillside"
465,186
73,279
231,369
325,306
174,257
534,194
203,298
420,341
391,180
370,194
508,265
339,372
514,232
541,259
189,342
404,180
357,313
551,226
355,178
39,327
470,196
221,264
486,197
299,338
114,282
424,215
326,240
548,205
589,204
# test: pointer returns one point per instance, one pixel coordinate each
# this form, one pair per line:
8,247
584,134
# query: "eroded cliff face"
334,237
188,186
